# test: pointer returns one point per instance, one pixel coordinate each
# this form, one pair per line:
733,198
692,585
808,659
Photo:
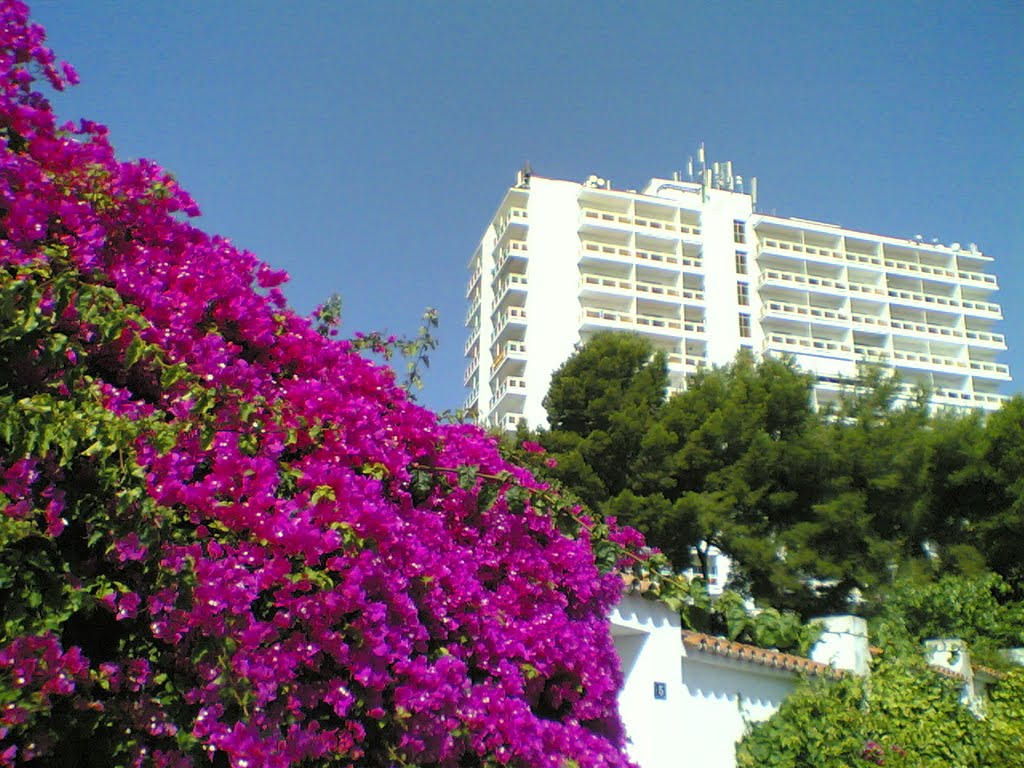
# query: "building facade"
692,267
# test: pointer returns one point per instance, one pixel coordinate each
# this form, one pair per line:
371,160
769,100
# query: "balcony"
978,278
513,256
799,280
591,217
658,258
994,370
984,337
514,218
925,329
686,361
512,387
805,344
471,369
918,270
513,317
474,335
804,251
803,312
982,306
660,291
474,280
605,318
916,298
508,421
591,283
513,283
471,314
509,356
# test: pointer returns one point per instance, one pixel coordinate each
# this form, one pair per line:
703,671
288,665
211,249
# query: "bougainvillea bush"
229,540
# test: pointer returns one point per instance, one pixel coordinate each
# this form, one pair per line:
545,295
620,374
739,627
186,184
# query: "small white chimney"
843,644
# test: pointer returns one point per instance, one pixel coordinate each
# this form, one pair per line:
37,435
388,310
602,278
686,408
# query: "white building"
691,266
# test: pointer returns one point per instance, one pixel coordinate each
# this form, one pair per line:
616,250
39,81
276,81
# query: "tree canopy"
821,511
226,539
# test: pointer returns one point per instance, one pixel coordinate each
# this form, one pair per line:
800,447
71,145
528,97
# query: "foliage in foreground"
227,540
905,714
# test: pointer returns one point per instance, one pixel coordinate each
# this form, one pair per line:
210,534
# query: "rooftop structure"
689,264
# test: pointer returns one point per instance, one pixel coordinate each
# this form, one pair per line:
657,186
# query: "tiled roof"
989,672
947,672
786,662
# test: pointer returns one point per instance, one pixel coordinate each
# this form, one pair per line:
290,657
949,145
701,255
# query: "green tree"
716,463
600,405
999,526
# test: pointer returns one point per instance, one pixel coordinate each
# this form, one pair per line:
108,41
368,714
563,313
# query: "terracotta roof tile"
720,646
994,673
947,672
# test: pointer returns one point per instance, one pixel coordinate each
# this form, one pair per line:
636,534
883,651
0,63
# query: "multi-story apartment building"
691,266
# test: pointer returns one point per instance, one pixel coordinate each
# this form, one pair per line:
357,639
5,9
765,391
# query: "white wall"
708,698
647,637
552,306
720,696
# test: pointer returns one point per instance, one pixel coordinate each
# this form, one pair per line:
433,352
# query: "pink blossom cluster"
283,594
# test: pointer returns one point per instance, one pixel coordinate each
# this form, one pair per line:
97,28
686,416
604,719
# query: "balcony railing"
656,226
799,279
474,365
514,217
807,342
513,385
512,282
474,279
804,311
474,334
510,315
513,250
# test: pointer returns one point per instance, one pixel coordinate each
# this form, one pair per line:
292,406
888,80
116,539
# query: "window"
745,326
741,262
739,231
743,294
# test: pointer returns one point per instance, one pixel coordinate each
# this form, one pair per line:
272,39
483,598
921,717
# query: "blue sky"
364,146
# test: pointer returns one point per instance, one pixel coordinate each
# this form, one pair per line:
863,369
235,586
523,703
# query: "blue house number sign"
660,691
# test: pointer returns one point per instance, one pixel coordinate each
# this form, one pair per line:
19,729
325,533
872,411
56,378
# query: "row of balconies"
915,268
811,313
940,395
884,355
906,356
770,276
